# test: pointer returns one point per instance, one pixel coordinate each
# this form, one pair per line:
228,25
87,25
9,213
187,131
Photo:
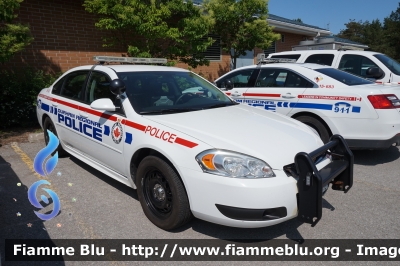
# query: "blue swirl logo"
44,168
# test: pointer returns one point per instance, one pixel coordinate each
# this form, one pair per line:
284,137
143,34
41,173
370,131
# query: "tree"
14,37
354,31
380,38
241,24
392,33
173,29
298,20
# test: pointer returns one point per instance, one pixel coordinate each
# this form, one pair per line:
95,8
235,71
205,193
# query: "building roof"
292,26
291,21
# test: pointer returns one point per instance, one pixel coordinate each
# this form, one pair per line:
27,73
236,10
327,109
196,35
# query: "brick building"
65,37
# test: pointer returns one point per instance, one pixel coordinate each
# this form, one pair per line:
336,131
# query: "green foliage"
155,28
384,38
14,37
241,24
18,92
392,33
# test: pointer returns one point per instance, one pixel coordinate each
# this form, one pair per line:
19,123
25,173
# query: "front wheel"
162,194
317,125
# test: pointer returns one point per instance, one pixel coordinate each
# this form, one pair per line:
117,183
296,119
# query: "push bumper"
311,181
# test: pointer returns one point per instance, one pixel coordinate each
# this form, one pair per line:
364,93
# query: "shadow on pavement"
14,201
375,157
105,178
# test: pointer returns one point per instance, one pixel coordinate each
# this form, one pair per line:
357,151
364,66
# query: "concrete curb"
35,137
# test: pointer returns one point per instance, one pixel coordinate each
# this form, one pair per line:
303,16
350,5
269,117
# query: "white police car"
329,100
188,154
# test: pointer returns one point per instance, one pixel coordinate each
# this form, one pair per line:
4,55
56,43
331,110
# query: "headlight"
232,164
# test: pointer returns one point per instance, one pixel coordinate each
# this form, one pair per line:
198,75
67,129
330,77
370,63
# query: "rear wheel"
48,125
162,194
317,125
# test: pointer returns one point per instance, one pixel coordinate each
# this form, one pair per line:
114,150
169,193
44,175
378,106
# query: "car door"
358,65
68,96
240,80
276,89
104,131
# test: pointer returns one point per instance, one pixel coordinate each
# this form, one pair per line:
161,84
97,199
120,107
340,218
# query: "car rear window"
287,56
344,77
322,59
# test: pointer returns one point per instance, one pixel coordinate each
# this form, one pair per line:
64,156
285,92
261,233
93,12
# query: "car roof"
286,65
131,68
296,65
324,52
134,68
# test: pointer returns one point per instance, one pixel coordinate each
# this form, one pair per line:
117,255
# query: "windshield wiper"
221,105
168,111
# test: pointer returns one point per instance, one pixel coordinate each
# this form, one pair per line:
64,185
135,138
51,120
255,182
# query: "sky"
332,14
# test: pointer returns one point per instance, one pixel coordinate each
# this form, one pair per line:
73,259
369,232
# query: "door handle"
288,96
236,94
54,105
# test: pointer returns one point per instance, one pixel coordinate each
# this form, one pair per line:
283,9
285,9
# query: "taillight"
384,101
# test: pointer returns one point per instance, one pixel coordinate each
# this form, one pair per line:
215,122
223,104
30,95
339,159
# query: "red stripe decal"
66,103
185,142
46,97
227,93
262,95
135,125
128,123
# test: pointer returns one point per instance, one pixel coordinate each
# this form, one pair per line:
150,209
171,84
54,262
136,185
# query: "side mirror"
104,104
117,87
375,72
228,84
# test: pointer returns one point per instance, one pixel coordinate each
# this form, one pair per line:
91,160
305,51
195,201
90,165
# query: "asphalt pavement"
94,206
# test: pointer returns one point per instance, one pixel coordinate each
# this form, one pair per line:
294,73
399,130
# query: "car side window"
239,79
271,77
98,87
73,85
322,59
57,87
356,64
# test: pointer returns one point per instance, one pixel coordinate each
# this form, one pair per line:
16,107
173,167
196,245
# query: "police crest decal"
117,132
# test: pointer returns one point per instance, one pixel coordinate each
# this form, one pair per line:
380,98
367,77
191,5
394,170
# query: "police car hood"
272,137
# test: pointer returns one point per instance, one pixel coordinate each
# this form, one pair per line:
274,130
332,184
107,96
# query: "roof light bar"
277,60
262,60
131,60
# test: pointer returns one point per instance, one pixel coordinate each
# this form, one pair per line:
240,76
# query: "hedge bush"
18,92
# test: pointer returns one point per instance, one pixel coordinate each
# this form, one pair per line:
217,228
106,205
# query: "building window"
282,38
270,50
213,52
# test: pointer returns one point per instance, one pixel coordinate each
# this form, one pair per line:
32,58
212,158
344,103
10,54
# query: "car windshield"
166,92
344,77
390,63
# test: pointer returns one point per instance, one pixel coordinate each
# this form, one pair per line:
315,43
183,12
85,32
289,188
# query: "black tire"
162,194
317,125
48,125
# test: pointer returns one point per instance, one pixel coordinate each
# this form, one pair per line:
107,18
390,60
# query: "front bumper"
252,203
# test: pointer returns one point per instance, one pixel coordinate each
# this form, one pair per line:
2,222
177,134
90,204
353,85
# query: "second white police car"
192,154
329,100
